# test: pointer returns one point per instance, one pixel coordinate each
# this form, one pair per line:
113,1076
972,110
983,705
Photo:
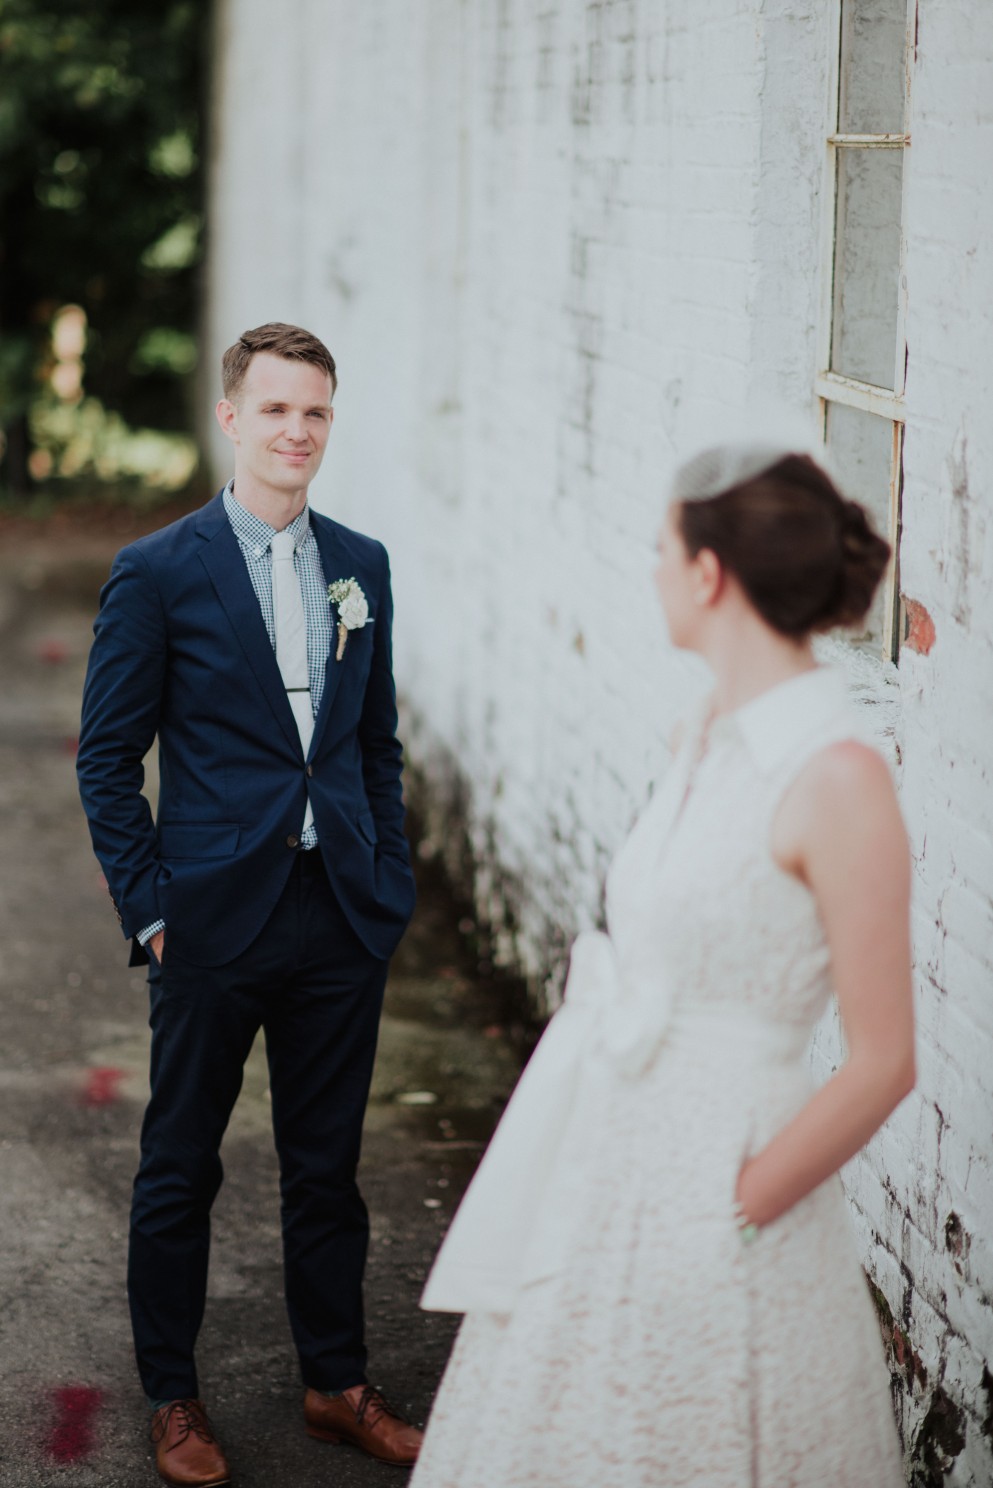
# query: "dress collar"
774,724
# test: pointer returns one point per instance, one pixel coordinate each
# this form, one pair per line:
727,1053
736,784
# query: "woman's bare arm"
839,829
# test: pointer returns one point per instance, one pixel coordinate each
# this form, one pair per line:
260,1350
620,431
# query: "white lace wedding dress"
619,1334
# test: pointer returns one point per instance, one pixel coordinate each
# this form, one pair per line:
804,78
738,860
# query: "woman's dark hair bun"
807,558
864,556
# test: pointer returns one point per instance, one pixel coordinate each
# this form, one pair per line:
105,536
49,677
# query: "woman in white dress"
655,1256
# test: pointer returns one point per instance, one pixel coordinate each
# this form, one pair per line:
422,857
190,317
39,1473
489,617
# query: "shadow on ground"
73,1051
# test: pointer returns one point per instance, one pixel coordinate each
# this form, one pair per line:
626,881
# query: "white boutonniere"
353,609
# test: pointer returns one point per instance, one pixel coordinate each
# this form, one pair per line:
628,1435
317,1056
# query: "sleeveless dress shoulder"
618,1334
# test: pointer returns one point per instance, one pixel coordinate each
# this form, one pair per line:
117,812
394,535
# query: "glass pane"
873,79
860,449
867,265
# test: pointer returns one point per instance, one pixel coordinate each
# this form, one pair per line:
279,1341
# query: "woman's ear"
708,578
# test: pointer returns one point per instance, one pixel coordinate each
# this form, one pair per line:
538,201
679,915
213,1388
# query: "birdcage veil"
748,444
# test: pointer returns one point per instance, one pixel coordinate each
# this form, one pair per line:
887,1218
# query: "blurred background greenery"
101,240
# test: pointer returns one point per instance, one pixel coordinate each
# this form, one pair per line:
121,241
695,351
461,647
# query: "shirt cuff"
144,936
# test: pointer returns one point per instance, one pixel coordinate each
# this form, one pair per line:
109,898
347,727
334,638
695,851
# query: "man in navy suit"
270,891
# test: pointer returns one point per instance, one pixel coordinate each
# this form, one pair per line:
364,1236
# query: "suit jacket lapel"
225,564
332,558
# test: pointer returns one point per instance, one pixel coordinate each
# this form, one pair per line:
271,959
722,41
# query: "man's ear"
227,417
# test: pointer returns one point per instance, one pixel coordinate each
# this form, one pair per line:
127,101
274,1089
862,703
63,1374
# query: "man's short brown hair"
283,340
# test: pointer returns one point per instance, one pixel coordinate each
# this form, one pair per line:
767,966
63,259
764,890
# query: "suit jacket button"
310,770
292,841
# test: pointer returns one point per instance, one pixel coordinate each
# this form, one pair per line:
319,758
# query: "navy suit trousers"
316,991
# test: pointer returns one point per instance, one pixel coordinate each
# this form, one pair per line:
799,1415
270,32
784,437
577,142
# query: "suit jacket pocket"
367,826
198,839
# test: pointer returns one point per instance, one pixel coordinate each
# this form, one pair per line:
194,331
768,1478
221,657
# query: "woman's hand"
748,1196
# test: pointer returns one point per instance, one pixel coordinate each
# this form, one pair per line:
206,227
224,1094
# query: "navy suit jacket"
181,651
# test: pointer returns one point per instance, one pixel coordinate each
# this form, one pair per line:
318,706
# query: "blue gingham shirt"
255,540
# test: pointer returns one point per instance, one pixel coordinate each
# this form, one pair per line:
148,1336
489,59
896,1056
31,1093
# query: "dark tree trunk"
15,474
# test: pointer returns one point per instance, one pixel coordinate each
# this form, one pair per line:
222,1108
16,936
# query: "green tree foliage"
100,202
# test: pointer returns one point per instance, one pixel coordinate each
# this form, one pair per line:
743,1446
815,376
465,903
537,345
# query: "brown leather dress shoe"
363,1418
187,1453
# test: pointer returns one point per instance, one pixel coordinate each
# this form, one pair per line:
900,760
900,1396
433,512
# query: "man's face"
279,422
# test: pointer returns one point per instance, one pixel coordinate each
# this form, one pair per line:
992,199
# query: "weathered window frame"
834,387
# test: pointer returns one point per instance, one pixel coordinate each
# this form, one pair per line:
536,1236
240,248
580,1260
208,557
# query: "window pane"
860,448
867,265
873,43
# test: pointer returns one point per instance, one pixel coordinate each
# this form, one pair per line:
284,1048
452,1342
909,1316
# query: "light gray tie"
291,641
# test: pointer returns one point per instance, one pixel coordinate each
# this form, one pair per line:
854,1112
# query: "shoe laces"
373,1403
191,1420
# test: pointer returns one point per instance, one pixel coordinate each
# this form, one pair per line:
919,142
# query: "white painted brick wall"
544,239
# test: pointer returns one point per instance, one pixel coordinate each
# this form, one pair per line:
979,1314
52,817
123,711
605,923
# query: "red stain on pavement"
70,744
101,1088
72,1436
52,651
